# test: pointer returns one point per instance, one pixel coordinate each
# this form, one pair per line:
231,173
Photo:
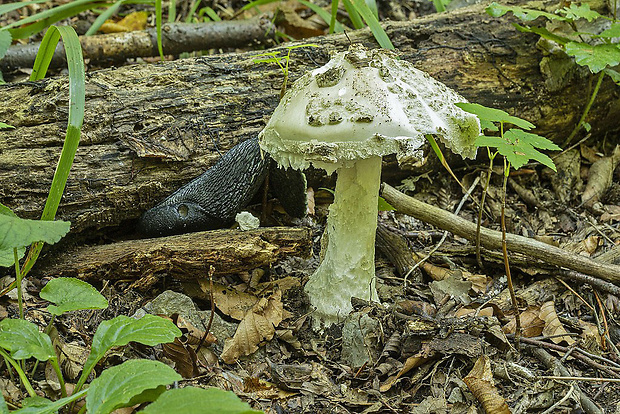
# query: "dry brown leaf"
183,356
480,383
553,326
411,363
232,303
600,178
531,323
257,325
131,22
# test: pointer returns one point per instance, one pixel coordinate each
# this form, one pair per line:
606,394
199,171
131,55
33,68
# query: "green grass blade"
48,17
7,8
158,18
75,62
256,3
355,17
372,22
332,20
322,14
172,11
100,20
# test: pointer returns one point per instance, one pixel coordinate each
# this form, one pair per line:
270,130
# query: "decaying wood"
150,128
491,239
184,257
176,38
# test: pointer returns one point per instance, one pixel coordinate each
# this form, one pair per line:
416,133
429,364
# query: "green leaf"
494,115
192,400
7,258
595,57
375,27
3,407
24,340
532,139
338,27
18,232
613,31
6,126
149,330
498,10
582,11
71,294
544,33
45,406
5,42
50,16
614,75
118,386
75,63
518,147
384,205
354,16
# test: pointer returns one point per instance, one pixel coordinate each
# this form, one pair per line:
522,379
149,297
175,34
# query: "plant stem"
480,210
20,372
18,280
511,288
599,81
61,380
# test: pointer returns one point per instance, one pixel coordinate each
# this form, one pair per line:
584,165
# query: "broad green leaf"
149,330
494,115
582,11
498,10
6,126
7,258
614,75
24,340
5,42
595,57
3,408
18,232
44,406
71,294
613,31
192,400
117,386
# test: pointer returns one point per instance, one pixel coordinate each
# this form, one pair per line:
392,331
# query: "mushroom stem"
348,266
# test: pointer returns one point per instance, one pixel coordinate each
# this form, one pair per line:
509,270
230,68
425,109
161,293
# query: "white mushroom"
344,117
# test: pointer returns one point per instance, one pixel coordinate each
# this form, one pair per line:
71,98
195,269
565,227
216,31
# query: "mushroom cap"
365,103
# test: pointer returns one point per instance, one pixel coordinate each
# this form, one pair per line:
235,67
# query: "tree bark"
185,257
150,128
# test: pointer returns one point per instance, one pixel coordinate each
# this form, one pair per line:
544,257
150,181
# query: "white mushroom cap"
364,103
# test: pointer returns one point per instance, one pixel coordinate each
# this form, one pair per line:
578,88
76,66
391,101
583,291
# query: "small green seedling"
517,148
600,54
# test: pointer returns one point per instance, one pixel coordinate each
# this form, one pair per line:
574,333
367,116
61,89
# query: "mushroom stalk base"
348,267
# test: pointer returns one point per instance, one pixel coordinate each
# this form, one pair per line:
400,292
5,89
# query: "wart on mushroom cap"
345,116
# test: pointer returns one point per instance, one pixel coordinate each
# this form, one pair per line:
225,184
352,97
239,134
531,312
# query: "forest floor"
442,339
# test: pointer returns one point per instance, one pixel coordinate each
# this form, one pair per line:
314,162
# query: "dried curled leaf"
480,383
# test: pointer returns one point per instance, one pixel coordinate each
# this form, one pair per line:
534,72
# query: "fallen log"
187,257
151,128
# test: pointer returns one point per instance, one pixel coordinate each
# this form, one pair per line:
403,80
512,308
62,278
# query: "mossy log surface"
150,128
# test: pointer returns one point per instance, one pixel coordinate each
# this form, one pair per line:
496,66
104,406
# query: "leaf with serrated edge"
18,232
24,340
494,115
595,57
498,10
71,294
582,11
192,400
117,386
532,139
